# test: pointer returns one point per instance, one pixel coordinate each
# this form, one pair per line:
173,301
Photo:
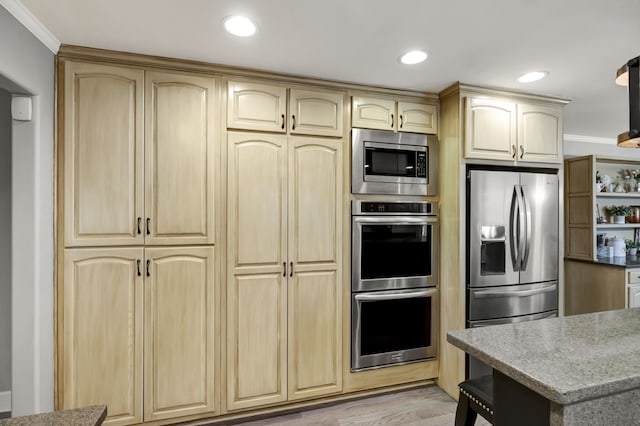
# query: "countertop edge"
560,396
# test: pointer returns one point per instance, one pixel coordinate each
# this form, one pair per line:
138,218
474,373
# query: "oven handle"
395,220
393,296
516,293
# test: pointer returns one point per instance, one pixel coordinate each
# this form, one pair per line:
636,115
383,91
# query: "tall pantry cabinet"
136,297
284,224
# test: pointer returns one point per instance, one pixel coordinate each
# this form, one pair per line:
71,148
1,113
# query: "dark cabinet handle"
515,151
148,263
282,122
392,121
521,152
401,121
284,269
139,225
291,272
293,126
148,226
139,271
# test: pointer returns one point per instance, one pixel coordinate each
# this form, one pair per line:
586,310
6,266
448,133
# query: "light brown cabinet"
114,297
125,185
389,114
500,129
138,327
263,107
284,242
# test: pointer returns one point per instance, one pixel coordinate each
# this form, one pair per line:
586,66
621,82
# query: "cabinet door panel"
256,340
633,300
316,112
102,340
254,106
179,159
490,129
315,338
315,185
315,247
371,113
102,155
540,133
257,200
417,118
179,327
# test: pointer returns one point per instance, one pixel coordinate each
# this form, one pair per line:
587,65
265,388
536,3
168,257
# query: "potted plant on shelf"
619,213
632,247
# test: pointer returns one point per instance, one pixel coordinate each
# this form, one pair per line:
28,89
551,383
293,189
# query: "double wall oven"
394,294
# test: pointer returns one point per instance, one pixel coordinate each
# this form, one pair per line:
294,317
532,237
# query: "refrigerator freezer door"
540,257
493,228
512,301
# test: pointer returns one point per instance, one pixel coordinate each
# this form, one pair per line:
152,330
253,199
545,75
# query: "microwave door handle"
527,226
372,297
514,293
513,243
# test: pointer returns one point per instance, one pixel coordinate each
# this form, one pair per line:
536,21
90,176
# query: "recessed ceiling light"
413,57
239,26
532,76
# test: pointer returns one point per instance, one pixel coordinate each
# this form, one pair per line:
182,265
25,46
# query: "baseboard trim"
5,401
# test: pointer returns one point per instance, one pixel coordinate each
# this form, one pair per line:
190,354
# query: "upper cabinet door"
254,106
540,133
417,118
103,160
179,159
490,129
316,112
372,113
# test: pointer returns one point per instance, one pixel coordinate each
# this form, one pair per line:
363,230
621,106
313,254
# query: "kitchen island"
577,370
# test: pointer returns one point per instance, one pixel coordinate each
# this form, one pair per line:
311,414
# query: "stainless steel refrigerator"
512,248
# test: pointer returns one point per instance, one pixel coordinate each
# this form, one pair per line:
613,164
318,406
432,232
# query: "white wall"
27,66
576,148
5,243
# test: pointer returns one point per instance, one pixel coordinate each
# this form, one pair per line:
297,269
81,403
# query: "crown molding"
589,139
26,18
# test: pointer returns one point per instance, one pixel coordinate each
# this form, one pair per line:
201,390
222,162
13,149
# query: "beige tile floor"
425,406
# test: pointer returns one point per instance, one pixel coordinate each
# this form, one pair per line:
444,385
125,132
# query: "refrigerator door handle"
522,240
513,223
527,226
514,293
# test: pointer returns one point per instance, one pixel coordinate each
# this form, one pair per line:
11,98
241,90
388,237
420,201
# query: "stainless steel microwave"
395,163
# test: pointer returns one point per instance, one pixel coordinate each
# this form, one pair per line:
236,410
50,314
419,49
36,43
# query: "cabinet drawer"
634,276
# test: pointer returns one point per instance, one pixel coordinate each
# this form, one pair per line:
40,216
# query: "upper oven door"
394,252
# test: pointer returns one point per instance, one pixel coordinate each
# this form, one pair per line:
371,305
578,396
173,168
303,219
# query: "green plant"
619,210
632,244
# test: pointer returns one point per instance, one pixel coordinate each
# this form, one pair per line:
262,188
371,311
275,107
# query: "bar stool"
476,397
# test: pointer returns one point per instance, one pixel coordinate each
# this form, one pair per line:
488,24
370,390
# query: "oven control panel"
360,207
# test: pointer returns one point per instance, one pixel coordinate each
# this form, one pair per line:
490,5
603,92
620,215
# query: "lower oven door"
393,327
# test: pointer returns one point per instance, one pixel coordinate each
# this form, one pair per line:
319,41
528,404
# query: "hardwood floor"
426,406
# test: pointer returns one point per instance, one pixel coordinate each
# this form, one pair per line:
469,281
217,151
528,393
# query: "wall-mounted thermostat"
21,108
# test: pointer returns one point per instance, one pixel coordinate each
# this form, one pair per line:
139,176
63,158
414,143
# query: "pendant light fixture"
629,75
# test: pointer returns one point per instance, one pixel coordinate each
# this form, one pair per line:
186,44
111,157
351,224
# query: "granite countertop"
88,416
566,359
624,262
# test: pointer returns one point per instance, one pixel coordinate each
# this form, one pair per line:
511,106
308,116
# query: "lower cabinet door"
256,340
180,329
101,356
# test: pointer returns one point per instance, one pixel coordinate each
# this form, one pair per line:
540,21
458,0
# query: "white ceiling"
581,43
